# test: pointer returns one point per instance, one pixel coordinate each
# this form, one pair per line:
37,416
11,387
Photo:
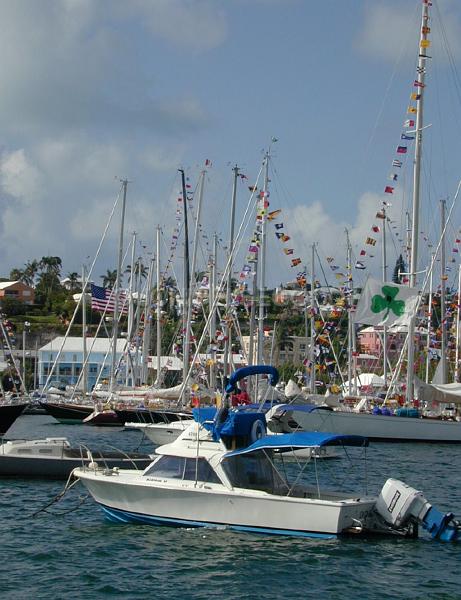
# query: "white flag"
386,304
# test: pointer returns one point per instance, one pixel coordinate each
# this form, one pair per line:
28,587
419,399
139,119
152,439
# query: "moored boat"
9,412
55,458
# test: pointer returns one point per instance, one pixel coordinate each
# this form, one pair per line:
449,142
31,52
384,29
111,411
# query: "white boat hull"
374,427
124,499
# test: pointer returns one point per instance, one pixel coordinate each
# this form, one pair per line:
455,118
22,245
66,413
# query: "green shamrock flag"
386,304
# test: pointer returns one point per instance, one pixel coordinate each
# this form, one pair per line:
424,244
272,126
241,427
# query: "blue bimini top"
285,442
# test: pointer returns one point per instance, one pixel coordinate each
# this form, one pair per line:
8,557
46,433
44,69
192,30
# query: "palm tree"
138,268
16,275
50,265
109,279
30,271
73,281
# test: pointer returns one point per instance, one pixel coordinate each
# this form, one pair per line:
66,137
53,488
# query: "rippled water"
79,555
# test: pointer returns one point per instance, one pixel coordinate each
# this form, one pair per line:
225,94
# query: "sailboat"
390,427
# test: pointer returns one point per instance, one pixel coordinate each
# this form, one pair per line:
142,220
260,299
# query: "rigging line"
77,306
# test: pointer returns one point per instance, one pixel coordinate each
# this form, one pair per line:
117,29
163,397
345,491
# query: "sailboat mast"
85,350
159,312
384,265
211,303
228,334
147,323
350,327
443,324
429,319
420,86
187,334
262,261
117,289
312,318
186,274
458,316
130,312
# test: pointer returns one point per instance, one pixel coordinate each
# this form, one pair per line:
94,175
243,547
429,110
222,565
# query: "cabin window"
189,469
250,471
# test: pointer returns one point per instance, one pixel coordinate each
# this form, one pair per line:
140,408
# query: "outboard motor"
400,505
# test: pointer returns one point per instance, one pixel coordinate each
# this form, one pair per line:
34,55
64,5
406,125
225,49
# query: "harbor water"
70,551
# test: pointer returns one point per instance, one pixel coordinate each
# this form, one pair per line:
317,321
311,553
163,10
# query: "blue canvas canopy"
295,441
252,370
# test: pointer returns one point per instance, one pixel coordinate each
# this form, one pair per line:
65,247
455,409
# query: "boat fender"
258,430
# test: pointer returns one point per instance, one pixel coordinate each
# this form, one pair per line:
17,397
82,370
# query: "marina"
230,350
169,559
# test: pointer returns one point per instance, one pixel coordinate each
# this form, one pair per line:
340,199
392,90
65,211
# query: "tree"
74,282
138,268
16,274
48,280
109,279
400,267
30,271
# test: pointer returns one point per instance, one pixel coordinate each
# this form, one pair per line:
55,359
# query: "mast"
458,316
254,292
186,274
211,303
117,290
443,342
228,342
187,334
159,312
312,346
85,349
350,326
130,311
420,86
262,260
147,323
384,266
429,319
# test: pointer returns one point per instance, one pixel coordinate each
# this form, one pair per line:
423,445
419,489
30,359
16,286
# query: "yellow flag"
415,96
411,110
425,43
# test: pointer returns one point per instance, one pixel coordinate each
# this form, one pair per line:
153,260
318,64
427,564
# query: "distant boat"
9,412
54,458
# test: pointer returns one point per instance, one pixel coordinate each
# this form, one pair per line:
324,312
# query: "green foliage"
12,306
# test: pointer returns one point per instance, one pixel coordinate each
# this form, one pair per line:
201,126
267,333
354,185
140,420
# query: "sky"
98,90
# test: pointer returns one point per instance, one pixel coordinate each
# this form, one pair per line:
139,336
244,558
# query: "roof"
75,344
289,441
7,284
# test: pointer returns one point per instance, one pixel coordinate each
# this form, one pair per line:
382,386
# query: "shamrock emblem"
388,302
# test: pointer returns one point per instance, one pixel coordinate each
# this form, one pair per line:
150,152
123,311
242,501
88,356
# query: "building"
17,290
69,368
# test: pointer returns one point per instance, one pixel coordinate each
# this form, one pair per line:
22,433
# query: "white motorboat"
54,458
161,433
200,481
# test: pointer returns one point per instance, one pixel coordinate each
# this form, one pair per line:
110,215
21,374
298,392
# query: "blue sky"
94,90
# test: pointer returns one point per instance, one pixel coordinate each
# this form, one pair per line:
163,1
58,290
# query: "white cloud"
391,31
197,25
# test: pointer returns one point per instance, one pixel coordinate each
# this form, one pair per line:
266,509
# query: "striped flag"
103,299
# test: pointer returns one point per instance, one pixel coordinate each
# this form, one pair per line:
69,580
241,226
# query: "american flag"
103,299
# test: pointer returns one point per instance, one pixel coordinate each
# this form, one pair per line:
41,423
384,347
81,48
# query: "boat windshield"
254,471
178,467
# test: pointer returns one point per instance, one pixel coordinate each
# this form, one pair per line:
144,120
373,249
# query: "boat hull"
123,499
8,415
375,427
68,414
59,468
145,415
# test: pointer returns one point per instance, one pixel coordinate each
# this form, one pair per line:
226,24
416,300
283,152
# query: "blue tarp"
236,422
285,442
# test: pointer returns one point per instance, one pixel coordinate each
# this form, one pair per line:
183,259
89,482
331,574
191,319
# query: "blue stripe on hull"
116,515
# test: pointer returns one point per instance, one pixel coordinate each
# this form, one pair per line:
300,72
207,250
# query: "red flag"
389,189
375,228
